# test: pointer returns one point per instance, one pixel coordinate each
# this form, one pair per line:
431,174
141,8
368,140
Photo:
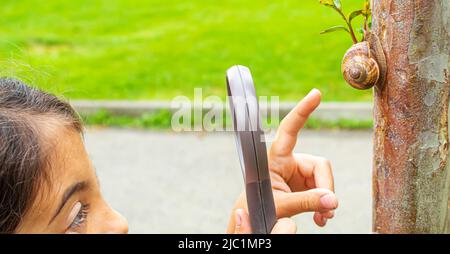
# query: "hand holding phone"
301,182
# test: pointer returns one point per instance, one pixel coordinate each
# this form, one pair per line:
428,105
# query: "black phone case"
251,148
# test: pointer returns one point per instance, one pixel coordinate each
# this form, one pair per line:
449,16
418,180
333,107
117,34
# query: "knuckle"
325,162
306,203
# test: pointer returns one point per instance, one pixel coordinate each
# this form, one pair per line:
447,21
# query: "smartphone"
251,147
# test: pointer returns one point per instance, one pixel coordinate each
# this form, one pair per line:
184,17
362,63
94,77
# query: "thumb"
285,226
242,222
319,200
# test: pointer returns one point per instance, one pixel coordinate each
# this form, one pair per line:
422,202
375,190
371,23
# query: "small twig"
366,14
352,32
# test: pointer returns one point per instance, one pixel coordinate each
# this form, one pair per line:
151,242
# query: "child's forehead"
68,157
67,163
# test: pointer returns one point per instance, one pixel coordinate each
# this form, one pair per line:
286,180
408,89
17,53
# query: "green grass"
158,49
162,120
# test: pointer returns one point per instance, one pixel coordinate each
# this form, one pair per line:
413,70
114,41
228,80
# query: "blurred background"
157,49
154,50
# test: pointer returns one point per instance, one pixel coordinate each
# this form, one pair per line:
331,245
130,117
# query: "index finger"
286,136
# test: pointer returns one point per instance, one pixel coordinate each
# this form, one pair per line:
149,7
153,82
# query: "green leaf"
327,2
335,28
337,4
361,31
354,15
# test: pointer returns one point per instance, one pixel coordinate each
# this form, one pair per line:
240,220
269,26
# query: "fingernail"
237,219
324,220
328,201
314,90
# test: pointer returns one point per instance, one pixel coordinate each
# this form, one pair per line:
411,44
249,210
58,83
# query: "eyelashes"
80,218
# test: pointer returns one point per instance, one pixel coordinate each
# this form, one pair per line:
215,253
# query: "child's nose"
117,224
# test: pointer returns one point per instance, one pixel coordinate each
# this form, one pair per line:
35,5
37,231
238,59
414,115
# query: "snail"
364,64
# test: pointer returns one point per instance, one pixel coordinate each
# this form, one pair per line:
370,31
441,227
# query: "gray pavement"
166,182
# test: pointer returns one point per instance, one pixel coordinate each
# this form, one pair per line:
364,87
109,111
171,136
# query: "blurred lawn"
157,49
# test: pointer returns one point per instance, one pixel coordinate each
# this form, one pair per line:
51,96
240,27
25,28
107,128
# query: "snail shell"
364,64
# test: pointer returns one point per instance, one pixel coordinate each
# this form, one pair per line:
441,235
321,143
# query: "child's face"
70,201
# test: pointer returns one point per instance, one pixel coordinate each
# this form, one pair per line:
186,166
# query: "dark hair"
22,157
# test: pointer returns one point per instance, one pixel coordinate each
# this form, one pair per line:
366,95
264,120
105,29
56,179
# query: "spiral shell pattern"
359,69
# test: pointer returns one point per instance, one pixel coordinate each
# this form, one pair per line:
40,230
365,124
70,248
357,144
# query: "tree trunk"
411,165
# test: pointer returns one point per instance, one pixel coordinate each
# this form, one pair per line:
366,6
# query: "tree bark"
411,142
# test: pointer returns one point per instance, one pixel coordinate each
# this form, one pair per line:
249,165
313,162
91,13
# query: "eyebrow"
78,187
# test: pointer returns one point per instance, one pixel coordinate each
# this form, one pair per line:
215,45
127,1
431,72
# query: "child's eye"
80,218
